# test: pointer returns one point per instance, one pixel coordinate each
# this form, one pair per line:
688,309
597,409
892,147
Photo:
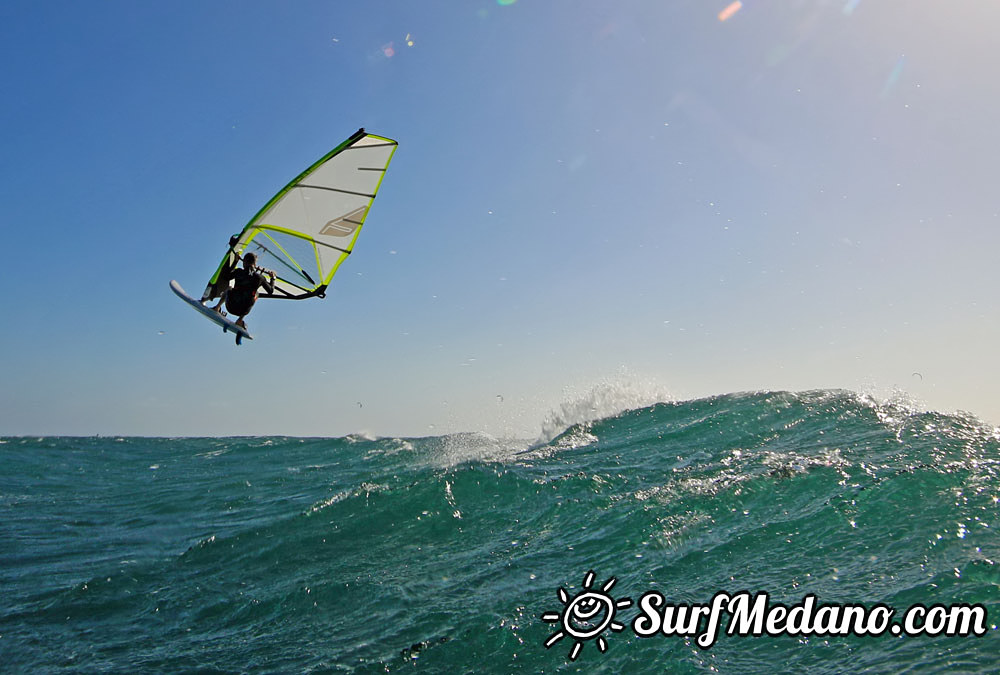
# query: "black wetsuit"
240,298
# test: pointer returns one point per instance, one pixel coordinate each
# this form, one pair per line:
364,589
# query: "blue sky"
633,195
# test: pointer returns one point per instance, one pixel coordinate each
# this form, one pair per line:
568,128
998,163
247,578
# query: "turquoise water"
442,554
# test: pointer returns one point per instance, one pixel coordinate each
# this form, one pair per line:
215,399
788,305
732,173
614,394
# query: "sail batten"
333,189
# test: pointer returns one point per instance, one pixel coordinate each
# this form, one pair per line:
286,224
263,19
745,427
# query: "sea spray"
607,399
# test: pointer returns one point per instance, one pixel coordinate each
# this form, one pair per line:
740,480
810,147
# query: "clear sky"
799,196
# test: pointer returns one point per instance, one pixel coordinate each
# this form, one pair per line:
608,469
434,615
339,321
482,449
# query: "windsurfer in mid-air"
241,296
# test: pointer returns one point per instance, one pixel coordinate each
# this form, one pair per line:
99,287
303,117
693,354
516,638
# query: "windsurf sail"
309,228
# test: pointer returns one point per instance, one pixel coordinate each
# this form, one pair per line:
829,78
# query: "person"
242,295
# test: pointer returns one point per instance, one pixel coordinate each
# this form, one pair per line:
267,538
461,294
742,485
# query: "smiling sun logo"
586,615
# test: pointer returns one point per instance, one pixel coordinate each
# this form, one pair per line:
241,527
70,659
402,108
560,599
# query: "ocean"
468,553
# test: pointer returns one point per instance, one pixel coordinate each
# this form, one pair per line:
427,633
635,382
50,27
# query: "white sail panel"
309,228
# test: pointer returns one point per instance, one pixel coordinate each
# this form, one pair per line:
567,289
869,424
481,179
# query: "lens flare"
893,78
730,10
